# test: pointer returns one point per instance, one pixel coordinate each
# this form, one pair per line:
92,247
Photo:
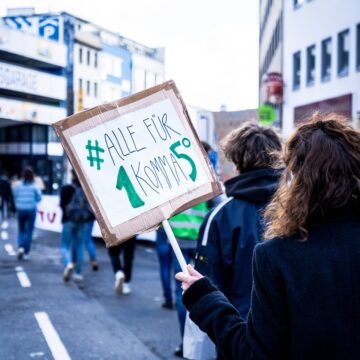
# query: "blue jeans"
164,252
88,240
72,237
26,221
189,255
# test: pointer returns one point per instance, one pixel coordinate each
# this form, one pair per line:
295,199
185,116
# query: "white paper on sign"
139,161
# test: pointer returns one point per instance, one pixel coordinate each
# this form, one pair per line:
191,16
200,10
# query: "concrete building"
270,56
51,66
33,93
321,61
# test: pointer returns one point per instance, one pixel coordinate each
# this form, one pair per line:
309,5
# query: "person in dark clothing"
122,270
6,198
75,232
305,300
228,236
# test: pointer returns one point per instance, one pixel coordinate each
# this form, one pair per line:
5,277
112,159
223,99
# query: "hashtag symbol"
97,149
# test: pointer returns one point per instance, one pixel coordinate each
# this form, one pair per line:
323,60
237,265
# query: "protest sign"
139,161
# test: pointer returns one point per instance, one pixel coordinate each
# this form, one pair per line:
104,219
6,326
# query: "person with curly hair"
305,301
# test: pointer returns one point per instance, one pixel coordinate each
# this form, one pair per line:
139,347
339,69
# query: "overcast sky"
211,45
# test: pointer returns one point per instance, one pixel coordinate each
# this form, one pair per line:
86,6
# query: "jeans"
189,255
164,251
88,240
128,249
26,221
72,237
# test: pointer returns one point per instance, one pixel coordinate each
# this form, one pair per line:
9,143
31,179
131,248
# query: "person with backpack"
26,195
76,215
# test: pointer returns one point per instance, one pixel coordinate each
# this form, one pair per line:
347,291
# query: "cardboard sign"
139,161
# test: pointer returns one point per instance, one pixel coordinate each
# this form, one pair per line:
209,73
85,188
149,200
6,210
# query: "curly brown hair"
322,173
252,147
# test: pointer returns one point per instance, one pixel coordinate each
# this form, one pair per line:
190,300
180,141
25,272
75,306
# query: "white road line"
9,249
23,278
52,338
4,235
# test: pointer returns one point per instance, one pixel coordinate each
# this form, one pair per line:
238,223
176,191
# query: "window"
296,70
39,133
96,60
88,87
343,53
326,59
298,3
80,84
80,55
95,89
88,57
310,65
358,47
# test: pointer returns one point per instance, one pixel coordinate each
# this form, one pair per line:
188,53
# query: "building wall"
146,72
309,24
87,73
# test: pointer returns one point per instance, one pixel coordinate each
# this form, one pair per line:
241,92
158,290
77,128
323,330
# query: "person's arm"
266,333
37,194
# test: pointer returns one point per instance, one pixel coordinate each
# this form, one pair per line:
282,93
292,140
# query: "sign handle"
174,244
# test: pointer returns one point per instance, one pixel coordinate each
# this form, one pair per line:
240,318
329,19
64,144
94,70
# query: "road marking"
37,354
23,278
51,336
4,235
5,225
9,249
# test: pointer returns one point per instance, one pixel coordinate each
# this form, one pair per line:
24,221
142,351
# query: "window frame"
296,86
324,76
342,72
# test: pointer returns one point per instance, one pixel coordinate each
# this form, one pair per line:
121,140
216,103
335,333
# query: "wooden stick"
174,244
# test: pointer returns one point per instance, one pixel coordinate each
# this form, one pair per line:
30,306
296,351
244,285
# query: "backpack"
78,210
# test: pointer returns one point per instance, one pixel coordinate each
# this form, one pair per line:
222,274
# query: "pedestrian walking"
122,257
305,301
26,197
77,218
165,256
6,199
229,234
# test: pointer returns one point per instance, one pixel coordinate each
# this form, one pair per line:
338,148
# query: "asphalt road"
41,317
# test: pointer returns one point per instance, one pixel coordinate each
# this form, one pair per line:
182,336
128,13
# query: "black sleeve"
264,336
65,196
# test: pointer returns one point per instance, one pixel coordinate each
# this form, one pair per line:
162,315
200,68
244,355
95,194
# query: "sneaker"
94,265
68,272
21,252
179,351
126,288
119,281
168,305
26,257
78,278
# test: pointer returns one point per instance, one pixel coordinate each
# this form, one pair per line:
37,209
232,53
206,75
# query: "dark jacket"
305,300
66,194
228,236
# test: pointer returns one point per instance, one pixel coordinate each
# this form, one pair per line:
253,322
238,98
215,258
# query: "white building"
321,59
270,62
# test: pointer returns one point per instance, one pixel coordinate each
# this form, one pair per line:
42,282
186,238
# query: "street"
44,318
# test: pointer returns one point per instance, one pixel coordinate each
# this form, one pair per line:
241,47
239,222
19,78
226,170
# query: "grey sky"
211,46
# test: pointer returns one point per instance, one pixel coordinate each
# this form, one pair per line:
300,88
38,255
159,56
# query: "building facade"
51,66
270,60
321,62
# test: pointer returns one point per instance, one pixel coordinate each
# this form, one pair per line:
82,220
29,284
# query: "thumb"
193,272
